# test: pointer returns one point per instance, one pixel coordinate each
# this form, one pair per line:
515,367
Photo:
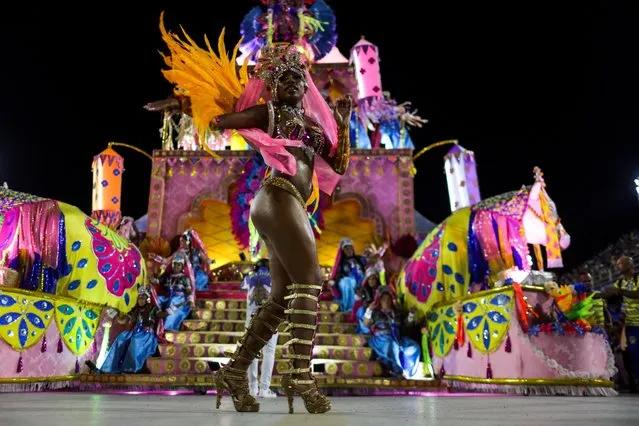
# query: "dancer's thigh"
285,227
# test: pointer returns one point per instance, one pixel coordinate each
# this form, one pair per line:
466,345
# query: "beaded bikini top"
294,128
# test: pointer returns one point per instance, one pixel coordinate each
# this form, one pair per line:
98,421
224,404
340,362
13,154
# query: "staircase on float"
341,359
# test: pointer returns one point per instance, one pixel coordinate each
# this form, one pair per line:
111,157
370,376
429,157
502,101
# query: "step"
229,286
93,382
240,314
322,339
221,294
329,367
239,325
213,350
241,304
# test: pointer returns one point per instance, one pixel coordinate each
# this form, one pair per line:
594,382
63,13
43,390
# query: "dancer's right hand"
170,104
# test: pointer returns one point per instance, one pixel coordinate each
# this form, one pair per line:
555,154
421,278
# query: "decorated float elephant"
58,249
475,245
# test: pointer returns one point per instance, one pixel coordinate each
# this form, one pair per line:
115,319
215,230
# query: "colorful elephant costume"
476,244
59,250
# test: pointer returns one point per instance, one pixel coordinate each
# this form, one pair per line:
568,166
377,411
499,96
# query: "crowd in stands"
602,266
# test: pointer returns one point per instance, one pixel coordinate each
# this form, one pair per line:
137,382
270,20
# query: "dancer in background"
179,299
399,353
367,293
347,273
628,288
195,251
257,284
131,348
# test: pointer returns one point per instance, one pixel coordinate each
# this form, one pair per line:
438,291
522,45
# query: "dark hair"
262,263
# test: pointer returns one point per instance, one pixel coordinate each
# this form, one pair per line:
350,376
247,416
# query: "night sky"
521,84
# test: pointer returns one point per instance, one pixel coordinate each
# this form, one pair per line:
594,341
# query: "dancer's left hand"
342,110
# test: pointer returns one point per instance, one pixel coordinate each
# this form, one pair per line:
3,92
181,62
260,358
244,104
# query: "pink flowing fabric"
487,239
39,231
8,230
518,241
274,150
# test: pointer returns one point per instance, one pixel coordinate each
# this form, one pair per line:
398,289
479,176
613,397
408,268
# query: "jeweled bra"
313,140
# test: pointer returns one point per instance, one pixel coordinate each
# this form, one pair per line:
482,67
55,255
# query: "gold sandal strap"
234,370
301,312
240,346
297,356
270,327
302,382
301,296
256,336
304,286
298,371
291,326
270,302
311,391
296,341
235,357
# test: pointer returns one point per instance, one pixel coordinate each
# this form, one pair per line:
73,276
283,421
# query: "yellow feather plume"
210,80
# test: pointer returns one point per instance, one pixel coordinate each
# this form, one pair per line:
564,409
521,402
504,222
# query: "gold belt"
286,185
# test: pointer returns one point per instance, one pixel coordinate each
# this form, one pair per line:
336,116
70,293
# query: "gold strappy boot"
233,377
302,318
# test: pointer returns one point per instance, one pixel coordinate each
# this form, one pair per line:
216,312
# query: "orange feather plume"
211,81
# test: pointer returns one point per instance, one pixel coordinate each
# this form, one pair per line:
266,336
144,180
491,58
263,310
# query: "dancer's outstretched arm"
340,159
255,117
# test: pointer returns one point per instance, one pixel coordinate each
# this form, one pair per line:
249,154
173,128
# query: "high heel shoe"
236,383
314,401
263,325
293,380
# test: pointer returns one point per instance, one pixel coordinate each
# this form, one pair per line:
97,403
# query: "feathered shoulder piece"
210,80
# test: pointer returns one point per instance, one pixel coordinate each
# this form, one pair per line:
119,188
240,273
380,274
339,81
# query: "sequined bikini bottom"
286,185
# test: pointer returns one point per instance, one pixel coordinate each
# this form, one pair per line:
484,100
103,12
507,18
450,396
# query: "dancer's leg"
265,323
286,228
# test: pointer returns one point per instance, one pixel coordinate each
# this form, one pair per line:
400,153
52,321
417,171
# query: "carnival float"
492,318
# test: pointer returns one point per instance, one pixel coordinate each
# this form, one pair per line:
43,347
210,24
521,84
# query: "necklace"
294,111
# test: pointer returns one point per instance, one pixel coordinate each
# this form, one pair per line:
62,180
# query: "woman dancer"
192,246
400,354
348,273
180,297
307,147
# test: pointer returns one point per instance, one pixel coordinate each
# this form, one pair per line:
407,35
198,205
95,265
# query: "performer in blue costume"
400,354
178,301
367,293
348,273
130,350
191,244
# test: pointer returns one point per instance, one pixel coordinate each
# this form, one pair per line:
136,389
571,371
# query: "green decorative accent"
443,324
77,324
66,309
487,319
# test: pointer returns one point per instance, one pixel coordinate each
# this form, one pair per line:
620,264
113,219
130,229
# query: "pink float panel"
46,364
181,180
531,357
587,353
